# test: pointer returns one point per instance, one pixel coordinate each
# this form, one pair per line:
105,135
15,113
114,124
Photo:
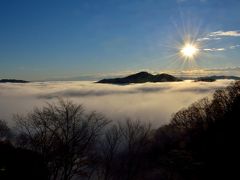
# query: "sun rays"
189,51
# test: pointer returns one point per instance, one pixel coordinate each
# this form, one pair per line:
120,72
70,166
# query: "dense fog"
154,102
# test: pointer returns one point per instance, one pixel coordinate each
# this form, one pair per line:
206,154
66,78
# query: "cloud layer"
153,102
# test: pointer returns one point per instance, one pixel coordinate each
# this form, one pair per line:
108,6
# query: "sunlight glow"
189,50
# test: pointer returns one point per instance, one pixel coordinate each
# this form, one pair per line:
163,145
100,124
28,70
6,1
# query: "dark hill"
12,81
141,77
214,78
205,79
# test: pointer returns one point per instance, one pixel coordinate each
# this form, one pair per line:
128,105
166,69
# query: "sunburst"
189,50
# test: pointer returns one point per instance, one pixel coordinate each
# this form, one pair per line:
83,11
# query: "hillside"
141,77
12,81
214,78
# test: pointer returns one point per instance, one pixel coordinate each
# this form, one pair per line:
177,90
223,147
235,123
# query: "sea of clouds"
154,102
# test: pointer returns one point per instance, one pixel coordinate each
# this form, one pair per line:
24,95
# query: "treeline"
62,142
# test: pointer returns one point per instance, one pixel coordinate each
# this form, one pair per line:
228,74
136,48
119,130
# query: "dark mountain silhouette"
141,77
214,78
205,79
12,81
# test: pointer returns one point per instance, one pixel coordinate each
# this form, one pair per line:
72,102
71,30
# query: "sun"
189,50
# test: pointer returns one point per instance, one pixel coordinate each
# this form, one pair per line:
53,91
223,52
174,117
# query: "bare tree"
109,149
193,117
5,131
121,150
65,135
135,137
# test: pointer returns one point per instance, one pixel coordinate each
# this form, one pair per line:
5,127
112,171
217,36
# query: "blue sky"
46,39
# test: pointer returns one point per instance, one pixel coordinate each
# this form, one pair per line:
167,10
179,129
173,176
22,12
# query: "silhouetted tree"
65,135
135,138
109,149
122,148
193,117
5,131
201,141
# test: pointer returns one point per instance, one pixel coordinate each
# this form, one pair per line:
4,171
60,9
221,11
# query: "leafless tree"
193,117
135,139
5,131
109,149
122,147
65,135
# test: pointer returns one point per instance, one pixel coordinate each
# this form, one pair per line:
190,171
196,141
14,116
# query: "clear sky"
45,39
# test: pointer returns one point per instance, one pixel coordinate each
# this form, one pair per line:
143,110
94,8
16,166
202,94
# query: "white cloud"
208,39
234,46
217,35
154,102
224,33
221,49
214,49
203,39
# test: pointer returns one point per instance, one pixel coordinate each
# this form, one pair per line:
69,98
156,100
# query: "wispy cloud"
208,39
214,49
181,1
224,33
234,46
219,35
221,49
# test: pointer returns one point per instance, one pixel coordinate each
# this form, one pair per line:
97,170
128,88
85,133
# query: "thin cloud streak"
234,46
221,49
217,35
208,39
225,33
214,49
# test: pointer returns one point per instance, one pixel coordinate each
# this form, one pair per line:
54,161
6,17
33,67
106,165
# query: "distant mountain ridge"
141,77
12,81
214,78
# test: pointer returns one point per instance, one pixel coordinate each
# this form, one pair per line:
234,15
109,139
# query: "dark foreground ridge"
141,77
12,81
